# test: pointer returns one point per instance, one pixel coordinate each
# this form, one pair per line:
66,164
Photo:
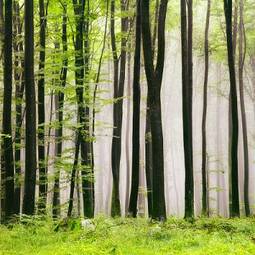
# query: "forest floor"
130,237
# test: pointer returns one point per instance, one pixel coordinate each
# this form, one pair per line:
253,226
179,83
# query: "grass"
130,237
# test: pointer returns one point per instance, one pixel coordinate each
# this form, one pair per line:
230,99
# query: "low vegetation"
129,236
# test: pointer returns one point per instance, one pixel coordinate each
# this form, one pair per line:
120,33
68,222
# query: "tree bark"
7,146
205,202
136,115
154,80
19,92
235,210
242,107
41,112
30,148
187,69
119,64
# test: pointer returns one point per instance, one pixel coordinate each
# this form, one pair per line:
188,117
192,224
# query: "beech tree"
119,66
241,61
187,93
205,205
154,77
136,115
7,166
30,147
234,209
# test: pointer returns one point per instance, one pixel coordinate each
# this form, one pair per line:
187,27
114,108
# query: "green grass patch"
129,237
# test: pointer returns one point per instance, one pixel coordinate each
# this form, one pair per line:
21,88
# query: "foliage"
129,236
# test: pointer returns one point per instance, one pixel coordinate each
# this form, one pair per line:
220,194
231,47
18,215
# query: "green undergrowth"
129,236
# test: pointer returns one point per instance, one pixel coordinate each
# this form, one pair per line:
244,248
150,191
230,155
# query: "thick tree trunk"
235,210
154,80
242,107
205,204
30,148
7,147
136,115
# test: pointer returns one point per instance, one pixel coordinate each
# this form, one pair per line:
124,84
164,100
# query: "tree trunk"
235,210
19,91
136,115
148,142
41,112
186,38
154,80
119,82
242,107
30,148
7,147
205,202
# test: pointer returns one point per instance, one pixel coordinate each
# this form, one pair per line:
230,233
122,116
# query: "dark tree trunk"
60,107
136,116
235,210
30,148
73,175
242,107
81,64
19,91
154,80
205,202
86,145
148,142
41,112
7,147
1,27
119,82
187,67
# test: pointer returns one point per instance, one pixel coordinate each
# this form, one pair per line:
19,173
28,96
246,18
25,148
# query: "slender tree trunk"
86,145
235,210
1,27
242,106
30,148
73,175
119,82
136,115
19,91
7,147
41,112
186,38
148,142
204,142
60,108
154,79
81,64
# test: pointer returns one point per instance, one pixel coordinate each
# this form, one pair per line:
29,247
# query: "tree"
30,147
19,94
60,107
242,107
205,204
136,115
235,210
119,66
154,80
187,88
41,111
148,142
7,147
81,65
